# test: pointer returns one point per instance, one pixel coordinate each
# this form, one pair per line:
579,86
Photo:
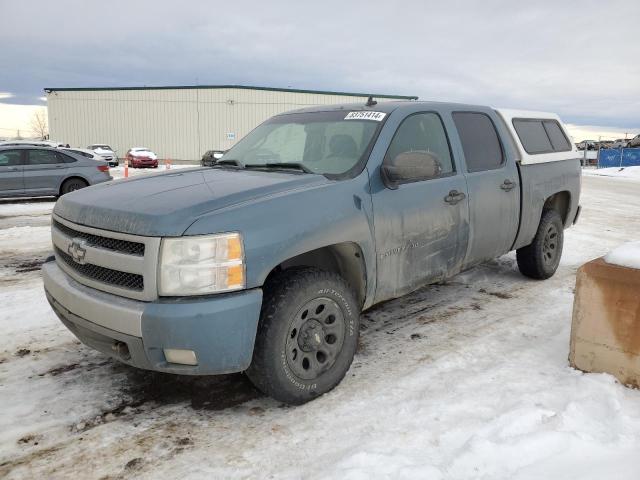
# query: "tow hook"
121,349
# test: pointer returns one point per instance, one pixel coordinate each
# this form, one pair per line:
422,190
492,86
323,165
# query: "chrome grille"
118,263
123,246
105,275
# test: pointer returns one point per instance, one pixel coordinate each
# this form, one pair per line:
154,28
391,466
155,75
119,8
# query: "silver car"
28,171
634,142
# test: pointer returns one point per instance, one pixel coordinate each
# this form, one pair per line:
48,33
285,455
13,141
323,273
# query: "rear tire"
541,258
307,335
72,185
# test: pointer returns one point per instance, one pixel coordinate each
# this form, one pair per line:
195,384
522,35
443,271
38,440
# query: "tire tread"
278,291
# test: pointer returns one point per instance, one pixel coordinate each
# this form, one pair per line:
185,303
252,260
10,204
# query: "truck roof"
508,115
383,106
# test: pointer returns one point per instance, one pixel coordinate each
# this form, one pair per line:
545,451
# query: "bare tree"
39,124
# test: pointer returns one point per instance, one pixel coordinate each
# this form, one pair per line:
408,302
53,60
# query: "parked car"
211,157
634,142
264,262
619,143
85,152
106,152
139,157
29,171
587,144
33,143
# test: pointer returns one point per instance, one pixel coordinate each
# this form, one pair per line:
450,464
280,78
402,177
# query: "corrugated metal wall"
179,124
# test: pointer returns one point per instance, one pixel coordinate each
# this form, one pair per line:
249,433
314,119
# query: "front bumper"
144,163
220,329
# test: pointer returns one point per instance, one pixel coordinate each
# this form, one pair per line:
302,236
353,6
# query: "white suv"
106,152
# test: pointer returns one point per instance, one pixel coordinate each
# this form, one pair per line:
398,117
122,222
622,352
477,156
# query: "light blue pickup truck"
263,262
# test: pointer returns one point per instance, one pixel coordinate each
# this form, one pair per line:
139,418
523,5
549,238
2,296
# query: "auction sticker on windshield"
377,116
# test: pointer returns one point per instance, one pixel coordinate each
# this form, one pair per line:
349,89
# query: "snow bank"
622,172
32,207
118,172
627,255
25,238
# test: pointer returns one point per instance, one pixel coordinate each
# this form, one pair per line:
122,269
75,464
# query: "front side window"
319,142
480,142
421,138
9,158
42,157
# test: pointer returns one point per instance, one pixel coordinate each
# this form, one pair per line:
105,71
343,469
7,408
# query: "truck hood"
167,204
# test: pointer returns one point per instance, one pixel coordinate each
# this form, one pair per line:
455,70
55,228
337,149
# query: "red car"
142,157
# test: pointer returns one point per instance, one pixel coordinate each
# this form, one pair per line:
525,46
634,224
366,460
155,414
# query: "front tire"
307,335
541,258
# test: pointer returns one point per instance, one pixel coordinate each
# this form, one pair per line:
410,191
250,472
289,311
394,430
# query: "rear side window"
533,136
9,158
541,136
84,154
480,142
67,159
559,141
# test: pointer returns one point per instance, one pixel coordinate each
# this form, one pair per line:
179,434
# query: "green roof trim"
243,87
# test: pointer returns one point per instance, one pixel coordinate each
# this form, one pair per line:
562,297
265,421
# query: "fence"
620,157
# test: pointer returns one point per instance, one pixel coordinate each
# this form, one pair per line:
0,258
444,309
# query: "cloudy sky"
578,58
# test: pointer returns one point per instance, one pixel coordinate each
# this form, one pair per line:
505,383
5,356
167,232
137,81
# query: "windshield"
318,142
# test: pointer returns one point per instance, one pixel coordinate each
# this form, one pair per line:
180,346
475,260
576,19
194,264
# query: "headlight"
200,265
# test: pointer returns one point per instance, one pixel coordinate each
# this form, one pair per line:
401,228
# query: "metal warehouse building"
177,123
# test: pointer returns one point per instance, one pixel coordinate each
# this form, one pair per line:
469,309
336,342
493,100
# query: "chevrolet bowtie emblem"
77,249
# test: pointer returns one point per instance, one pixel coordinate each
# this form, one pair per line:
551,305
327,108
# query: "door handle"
13,169
454,197
508,185
60,166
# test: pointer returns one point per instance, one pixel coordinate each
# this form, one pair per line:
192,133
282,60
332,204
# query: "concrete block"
605,332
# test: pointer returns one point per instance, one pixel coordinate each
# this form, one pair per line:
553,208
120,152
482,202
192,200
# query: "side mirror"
410,166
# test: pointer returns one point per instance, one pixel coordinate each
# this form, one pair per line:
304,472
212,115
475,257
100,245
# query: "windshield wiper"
282,165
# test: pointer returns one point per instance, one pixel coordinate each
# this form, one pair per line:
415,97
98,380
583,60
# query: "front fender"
279,227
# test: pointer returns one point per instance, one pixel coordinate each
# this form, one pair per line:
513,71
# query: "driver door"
421,227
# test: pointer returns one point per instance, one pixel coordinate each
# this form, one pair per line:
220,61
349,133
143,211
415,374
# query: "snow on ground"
621,172
25,239
118,172
626,255
468,379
